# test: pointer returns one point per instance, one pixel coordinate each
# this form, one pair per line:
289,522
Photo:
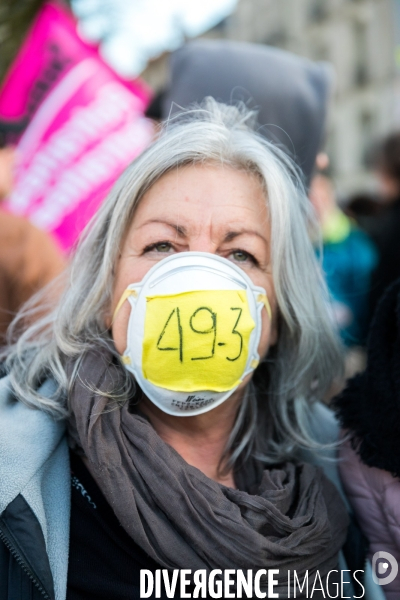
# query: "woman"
185,354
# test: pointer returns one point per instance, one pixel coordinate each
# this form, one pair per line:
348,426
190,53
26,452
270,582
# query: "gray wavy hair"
273,420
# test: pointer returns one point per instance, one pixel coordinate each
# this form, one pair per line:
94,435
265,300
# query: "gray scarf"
184,520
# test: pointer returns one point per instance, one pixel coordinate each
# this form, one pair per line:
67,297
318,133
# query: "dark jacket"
370,405
386,235
369,411
23,555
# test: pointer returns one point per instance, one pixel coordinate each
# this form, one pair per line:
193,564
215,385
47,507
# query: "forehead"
205,190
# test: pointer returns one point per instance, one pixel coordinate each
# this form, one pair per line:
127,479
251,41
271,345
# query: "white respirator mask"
193,331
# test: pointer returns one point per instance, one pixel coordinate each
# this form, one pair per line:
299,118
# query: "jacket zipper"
23,565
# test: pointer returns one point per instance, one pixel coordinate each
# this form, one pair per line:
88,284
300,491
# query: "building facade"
359,38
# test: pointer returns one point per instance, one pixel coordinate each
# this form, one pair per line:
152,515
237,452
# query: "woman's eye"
163,247
241,256
159,247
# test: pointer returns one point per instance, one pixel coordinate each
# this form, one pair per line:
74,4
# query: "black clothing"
370,405
382,224
104,561
23,555
385,232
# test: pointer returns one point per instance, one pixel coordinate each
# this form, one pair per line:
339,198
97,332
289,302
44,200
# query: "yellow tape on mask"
197,340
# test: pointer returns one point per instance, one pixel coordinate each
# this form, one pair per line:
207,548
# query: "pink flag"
81,125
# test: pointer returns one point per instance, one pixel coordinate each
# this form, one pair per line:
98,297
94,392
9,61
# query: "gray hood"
289,92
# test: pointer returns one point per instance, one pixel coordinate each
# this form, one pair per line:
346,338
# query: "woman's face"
201,208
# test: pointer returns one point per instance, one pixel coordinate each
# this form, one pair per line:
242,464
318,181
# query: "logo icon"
380,568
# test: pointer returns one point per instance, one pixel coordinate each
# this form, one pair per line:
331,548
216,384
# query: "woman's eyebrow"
231,235
177,228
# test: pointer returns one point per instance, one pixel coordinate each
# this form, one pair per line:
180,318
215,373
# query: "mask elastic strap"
128,292
264,299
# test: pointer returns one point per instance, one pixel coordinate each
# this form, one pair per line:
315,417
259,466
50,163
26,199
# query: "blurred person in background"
369,412
379,215
385,225
29,258
348,258
290,93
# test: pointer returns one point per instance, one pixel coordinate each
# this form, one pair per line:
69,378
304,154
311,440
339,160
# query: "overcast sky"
135,30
